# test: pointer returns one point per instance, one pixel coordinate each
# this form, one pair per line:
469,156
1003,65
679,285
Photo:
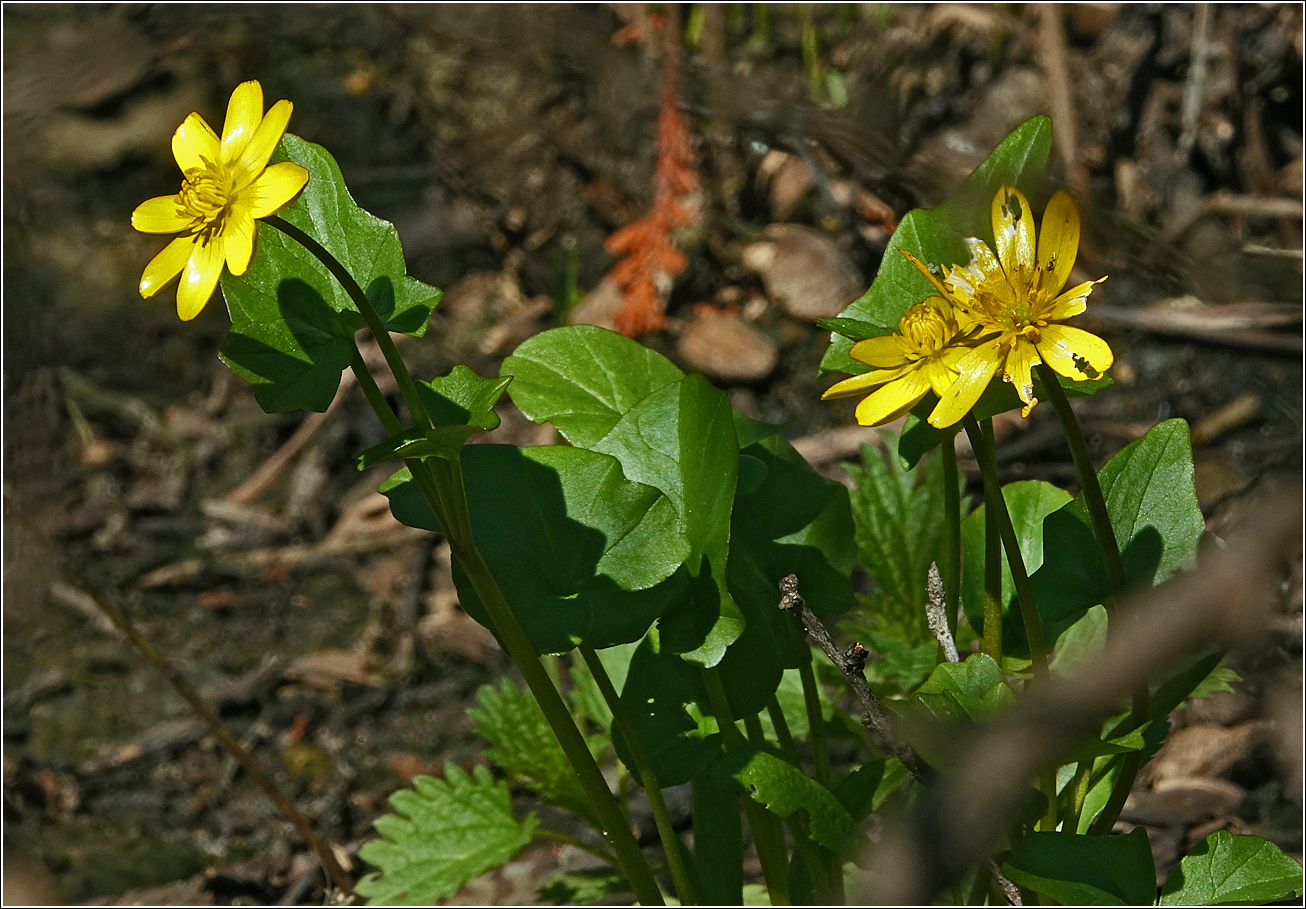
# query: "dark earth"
506,143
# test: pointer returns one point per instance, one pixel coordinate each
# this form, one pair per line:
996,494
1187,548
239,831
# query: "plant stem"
448,502
671,843
228,741
994,501
1078,789
406,386
951,567
815,720
992,573
557,836
767,836
782,734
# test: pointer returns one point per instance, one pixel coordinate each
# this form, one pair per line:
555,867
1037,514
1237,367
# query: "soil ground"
506,143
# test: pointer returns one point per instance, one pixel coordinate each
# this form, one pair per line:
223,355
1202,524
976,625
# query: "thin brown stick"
1052,58
936,613
228,742
876,719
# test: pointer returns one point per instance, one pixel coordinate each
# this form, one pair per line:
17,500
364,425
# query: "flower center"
205,197
927,328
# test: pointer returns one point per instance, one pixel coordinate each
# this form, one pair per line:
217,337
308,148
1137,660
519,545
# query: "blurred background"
507,143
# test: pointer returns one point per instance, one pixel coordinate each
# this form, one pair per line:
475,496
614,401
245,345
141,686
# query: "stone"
724,346
805,272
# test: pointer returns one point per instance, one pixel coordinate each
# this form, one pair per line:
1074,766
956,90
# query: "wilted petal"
1058,242
893,400
1021,360
1013,236
1073,352
193,143
924,269
1071,303
883,352
274,189
164,268
160,215
244,113
974,372
199,279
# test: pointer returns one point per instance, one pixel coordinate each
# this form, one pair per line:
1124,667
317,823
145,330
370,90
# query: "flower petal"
238,240
160,215
1021,360
1058,242
1013,236
924,269
199,279
1073,352
164,268
1069,304
193,143
893,400
263,143
857,384
244,113
883,352
274,189
974,372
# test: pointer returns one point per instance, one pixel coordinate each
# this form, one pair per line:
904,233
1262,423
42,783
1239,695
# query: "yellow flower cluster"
1002,309
227,185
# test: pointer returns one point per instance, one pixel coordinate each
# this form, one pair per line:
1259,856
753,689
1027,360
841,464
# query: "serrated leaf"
291,321
583,379
899,530
460,404
445,833
936,235
782,788
1086,870
582,553
1224,869
584,887
522,743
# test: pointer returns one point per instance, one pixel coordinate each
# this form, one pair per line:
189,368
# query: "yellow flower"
227,185
919,358
1012,304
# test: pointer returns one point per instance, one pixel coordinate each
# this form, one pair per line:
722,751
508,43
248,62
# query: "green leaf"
976,685
899,532
445,833
583,888
863,791
718,841
856,329
291,321
1149,492
522,743
793,704
1224,869
783,789
662,693
460,404
1081,644
367,246
1029,503
1086,870
582,553
936,235
583,379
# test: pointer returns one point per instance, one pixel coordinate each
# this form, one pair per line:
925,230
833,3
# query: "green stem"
1078,789
815,720
782,733
671,843
225,739
951,567
557,836
406,385
994,501
380,406
449,504
1106,819
768,837
1048,786
992,573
